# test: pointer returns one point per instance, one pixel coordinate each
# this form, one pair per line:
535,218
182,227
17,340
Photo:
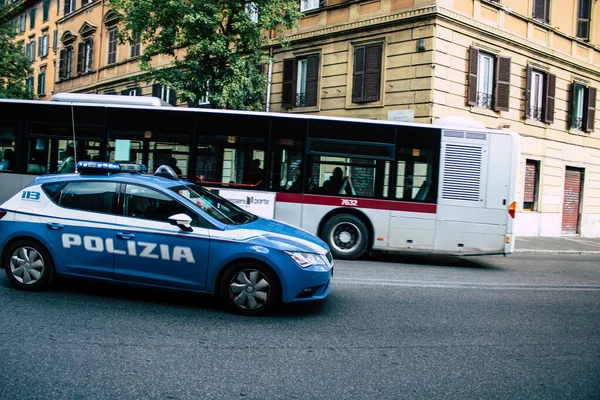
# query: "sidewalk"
565,245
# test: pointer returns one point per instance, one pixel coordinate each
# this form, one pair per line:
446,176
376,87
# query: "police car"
160,231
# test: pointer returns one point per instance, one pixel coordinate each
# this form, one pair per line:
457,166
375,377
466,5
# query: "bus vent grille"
476,135
454,134
462,173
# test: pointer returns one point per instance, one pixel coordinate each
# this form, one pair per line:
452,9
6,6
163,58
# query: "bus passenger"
172,162
335,182
8,160
256,173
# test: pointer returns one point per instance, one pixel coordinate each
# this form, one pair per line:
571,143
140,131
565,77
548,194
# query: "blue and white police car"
160,231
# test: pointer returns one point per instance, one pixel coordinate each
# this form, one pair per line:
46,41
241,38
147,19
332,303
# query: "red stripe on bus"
356,203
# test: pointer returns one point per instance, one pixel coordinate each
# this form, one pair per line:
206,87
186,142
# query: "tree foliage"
14,65
216,46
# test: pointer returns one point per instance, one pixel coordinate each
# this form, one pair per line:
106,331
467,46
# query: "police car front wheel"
28,265
250,289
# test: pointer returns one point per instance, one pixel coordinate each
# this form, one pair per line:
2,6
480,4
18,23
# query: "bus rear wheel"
347,236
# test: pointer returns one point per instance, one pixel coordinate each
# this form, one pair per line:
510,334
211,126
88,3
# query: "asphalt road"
520,327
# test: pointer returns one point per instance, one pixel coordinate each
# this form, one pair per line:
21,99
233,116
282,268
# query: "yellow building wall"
46,63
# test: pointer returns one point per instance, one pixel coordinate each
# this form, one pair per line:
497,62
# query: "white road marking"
464,285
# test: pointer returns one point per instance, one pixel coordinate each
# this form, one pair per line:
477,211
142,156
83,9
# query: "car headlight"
306,259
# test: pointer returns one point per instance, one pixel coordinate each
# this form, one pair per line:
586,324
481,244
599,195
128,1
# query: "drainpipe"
99,52
269,77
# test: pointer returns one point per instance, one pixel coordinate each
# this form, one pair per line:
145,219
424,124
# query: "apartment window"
252,11
541,10
366,78
85,2
583,107
136,91
45,10
70,6
300,81
55,40
112,45
306,5
32,18
489,80
84,56
41,87
583,19
21,23
532,181
135,45
65,67
29,84
30,50
539,98
43,45
165,93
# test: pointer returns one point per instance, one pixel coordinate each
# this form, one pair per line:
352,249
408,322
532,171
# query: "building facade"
531,66
37,34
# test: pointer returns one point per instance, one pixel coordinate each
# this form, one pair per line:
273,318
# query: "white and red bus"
361,185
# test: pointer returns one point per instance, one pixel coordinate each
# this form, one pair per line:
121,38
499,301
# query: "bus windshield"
218,208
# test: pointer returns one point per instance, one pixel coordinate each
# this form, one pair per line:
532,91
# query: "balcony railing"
535,113
484,100
300,99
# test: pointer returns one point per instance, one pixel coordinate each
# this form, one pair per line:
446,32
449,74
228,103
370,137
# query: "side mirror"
183,221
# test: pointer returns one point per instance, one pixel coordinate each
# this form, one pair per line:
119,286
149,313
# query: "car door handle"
125,236
54,226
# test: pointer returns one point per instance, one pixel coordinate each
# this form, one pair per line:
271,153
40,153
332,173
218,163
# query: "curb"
580,252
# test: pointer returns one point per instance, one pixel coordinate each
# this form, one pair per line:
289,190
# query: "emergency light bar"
97,167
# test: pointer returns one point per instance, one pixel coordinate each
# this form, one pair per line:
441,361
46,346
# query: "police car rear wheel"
28,265
250,289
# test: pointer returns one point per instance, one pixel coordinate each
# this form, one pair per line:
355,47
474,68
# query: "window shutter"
312,79
125,92
55,40
61,64
358,78
80,48
549,99
33,49
373,71
138,91
502,92
473,64
289,83
590,104
173,97
46,9
40,46
32,18
156,90
39,85
322,3
529,73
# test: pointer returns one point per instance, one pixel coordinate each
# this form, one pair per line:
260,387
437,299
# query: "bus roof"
144,102
84,98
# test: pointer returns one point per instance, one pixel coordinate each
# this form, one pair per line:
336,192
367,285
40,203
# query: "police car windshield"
218,208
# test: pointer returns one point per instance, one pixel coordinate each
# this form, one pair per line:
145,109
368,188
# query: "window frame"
290,97
548,97
541,11
499,99
309,5
583,21
112,45
583,110
533,204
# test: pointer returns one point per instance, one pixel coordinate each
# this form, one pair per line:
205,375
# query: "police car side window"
146,203
90,196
